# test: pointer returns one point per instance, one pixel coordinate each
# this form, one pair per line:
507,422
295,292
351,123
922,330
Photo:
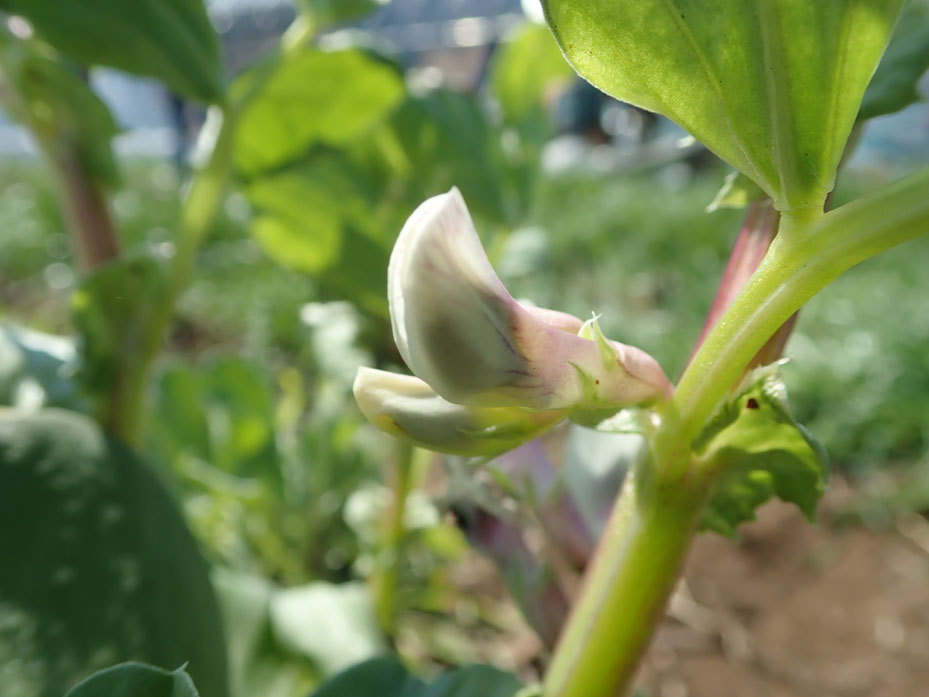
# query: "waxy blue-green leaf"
771,86
170,40
761,452
135,680
101,567
893,86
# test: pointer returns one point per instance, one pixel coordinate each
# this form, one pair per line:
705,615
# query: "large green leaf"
171,40
762,452
135,680
771,86
98,566
387,677
310,96
893,86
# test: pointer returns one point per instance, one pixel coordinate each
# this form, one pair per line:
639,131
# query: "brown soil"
795,610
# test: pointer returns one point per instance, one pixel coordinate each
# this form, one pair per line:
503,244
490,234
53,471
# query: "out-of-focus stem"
390,554
89,221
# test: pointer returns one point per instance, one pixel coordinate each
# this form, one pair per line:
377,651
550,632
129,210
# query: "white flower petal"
407,407
459,329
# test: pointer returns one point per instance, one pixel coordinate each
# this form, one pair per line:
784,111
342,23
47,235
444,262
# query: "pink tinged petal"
407,407
459,329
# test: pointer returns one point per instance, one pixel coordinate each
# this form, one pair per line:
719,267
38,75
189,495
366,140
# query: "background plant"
249,433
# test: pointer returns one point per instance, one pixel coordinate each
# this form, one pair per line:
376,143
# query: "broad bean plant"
333,150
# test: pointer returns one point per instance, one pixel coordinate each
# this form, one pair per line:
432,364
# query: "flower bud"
458,329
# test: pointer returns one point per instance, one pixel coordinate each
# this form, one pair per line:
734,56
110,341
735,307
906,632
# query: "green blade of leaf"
377,677
311,97
101,567
893,86
761,452
771,86
387,677
171,40
135,680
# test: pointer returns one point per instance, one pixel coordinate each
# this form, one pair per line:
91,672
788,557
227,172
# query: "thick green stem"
391,552
804,259
627,587
646,540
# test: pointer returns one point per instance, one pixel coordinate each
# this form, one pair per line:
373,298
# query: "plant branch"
646,540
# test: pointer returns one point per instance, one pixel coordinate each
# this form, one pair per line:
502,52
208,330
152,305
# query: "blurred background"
585,204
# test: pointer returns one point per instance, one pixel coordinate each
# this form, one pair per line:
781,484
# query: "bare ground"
796,610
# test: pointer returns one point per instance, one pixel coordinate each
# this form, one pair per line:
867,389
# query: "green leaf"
114,310
36,370
772,87
101,569
171,40
377,677
523,70
258,663
318,217
311,97
344,610
325,12
60,109
474,681
893,86
737,192
444,139
387,677
761,452
135,680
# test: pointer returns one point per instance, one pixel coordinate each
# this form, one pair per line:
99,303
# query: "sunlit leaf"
773,87
332,624
258,663
135,680
312,97
761,452
101,568
171,40
893,86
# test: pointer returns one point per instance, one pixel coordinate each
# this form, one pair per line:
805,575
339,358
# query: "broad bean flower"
490,372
